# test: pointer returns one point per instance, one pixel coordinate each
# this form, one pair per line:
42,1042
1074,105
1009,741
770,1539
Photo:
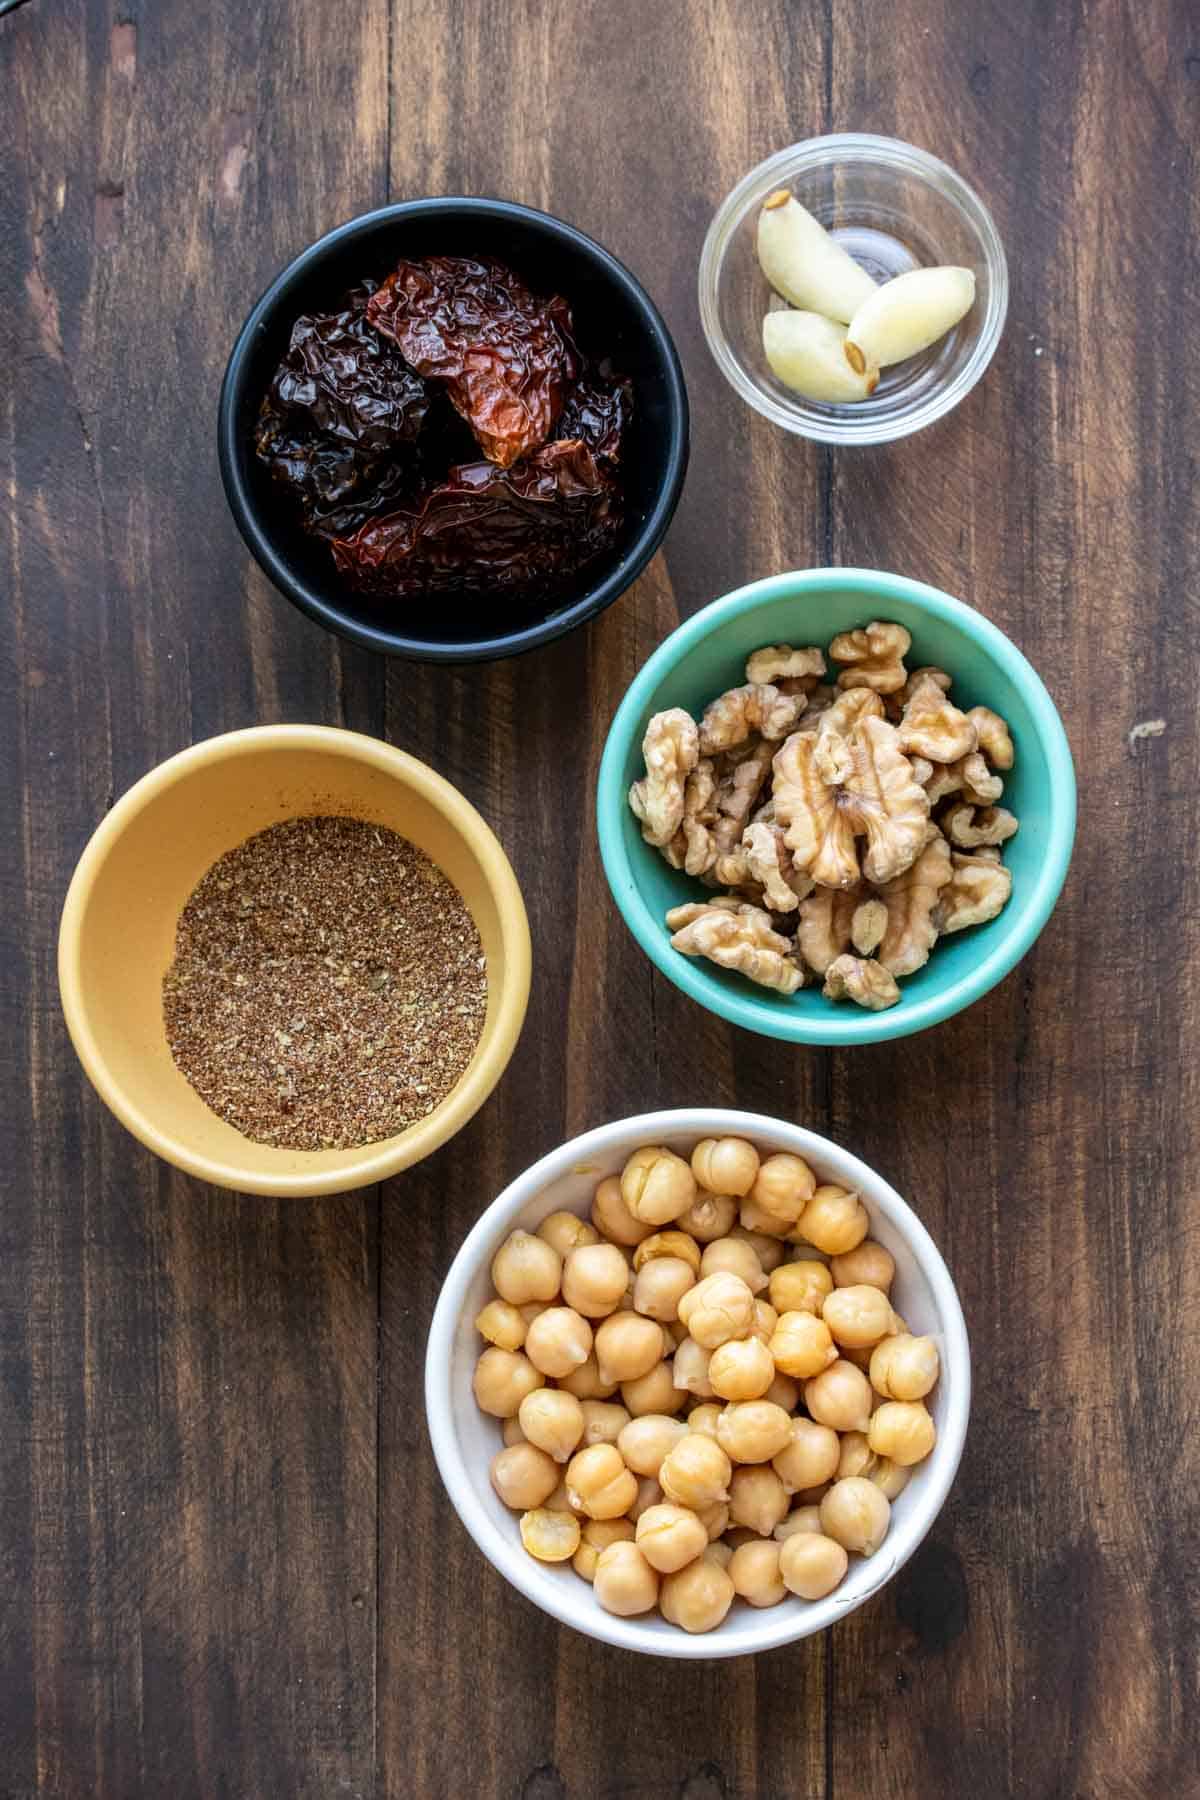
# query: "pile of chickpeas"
705,1392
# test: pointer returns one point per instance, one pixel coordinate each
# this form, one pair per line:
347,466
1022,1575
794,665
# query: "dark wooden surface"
227,1567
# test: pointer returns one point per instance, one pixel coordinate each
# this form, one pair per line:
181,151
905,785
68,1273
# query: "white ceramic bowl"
465,1440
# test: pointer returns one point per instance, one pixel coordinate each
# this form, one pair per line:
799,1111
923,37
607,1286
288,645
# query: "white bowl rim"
777,1625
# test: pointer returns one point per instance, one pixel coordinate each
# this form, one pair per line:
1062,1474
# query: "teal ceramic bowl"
708,654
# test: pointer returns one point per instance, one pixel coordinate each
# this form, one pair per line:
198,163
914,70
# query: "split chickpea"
657,1185
725,1165
718,1308
599,1483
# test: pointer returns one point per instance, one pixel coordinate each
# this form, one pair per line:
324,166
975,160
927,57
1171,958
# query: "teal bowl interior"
707,655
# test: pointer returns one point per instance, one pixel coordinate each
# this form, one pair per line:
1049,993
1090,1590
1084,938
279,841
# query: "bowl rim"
861,1027
778,1626
852,426
599,595
389,1155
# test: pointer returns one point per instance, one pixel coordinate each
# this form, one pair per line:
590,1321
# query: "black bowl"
614,317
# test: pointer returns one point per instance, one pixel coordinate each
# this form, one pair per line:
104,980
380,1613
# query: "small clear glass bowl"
894,208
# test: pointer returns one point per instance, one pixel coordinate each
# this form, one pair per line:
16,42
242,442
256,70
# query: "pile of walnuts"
847,826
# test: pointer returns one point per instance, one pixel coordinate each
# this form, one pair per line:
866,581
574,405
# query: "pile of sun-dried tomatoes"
444,434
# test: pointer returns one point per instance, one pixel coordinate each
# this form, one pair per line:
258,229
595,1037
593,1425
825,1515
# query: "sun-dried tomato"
341,405
598,409
505,355
484,528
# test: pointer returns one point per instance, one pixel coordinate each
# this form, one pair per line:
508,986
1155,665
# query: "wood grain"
227,1566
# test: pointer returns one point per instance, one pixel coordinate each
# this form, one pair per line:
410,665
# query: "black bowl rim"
395,643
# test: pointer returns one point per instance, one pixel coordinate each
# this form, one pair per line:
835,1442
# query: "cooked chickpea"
649,1493
903,1431
721,1554
524,1476
612,1218
697,1598
599,1482
800,1287
585,1383
553,1420
714,1518
757,1219
596,1536
623,1581
834,1221
725,1165
501,1381
668,1243
811,1564
709,1216
840,1396
784,1392
857,1316
753,1431
757,1499
802,1345
502,1325
550,1536
856,1456
765,1321
809,1457
654,1392
856,1515
603,1422
660,1286
566,1231
801,1518
904,1367
526,1268
754,1572
742,1369
889,1477
690,1366
594,1278
704,1418
718,1308
695,1472
510,1430
558,1341
657,1185
669,1536
869,1265
783,1187
644,1442
770,1251
734,1256
628,1345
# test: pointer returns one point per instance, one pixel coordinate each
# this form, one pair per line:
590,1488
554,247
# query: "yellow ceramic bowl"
118,936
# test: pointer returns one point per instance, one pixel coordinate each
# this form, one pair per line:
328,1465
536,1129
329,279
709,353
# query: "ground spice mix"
329,985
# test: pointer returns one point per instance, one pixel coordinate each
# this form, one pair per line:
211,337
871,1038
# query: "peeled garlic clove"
907,314
807,352
803,263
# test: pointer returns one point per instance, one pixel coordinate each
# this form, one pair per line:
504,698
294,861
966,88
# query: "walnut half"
744,940
862,980
671,748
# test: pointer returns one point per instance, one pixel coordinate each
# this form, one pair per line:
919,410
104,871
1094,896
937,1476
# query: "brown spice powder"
329,985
